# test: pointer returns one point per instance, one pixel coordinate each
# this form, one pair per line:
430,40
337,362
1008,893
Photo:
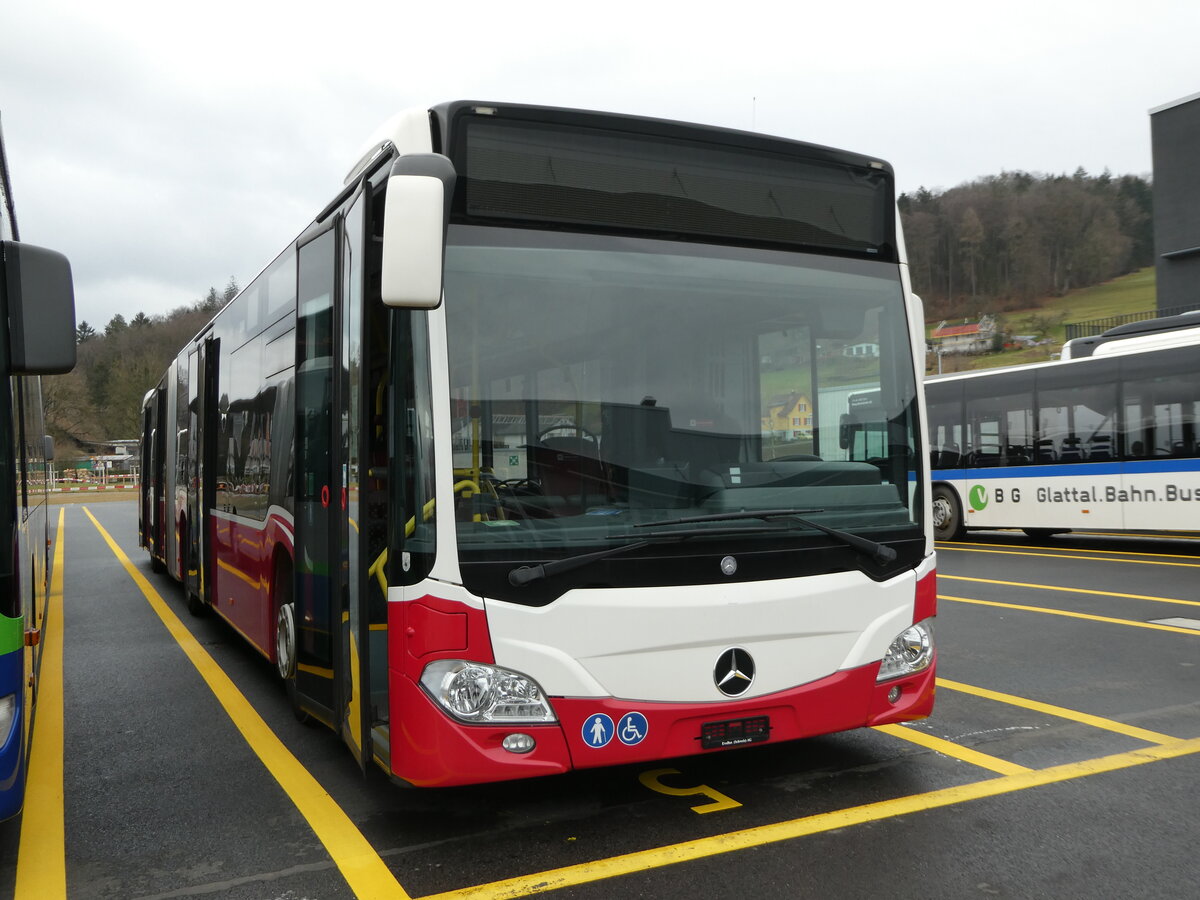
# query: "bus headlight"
480,693
910,652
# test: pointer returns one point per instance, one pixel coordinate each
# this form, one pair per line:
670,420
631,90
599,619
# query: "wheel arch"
281,569
949,522
181,541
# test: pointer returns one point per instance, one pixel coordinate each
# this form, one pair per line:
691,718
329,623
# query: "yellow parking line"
1074,615
1067,590
41,858
1141,734
360,865
1017,551
1018,548
949,748
1171,535
701,848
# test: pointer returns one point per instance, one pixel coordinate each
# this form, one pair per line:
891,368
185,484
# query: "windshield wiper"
522,575
880,553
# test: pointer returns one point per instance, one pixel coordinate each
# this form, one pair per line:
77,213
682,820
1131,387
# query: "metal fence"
1093,327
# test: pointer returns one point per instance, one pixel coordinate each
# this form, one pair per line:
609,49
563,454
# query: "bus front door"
353,516
318,558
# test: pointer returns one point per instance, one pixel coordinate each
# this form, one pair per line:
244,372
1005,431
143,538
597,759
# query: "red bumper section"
431,749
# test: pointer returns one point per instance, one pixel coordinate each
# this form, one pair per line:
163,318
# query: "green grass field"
1132,293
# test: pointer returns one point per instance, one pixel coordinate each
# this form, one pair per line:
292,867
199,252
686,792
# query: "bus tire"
1040,534
196,606
947,515
285,639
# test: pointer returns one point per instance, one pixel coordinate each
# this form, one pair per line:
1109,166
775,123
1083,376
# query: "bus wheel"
285,641
1041,534
196,606
947,515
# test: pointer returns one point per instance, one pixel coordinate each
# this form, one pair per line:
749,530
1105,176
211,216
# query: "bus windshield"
599,383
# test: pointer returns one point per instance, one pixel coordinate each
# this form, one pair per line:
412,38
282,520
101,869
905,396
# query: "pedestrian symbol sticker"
633,728
598,730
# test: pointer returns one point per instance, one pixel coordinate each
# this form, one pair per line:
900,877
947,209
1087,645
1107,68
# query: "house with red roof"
969,337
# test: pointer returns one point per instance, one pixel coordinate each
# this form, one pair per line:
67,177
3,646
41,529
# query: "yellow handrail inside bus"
467,486
426,513
427,509
377,570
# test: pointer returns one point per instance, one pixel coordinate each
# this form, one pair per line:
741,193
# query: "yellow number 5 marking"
719,801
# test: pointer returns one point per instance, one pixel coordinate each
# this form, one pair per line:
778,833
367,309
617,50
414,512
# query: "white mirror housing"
415,216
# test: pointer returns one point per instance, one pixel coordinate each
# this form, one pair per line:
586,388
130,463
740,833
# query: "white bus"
1178,330
1104,442
484,461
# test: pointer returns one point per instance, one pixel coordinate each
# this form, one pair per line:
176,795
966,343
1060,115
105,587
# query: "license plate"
735,732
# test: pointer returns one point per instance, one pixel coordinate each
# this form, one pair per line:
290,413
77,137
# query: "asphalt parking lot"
1060,761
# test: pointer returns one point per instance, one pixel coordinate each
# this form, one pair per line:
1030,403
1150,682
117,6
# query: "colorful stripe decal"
1060,470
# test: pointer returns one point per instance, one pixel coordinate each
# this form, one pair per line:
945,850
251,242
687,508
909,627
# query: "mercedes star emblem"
734,672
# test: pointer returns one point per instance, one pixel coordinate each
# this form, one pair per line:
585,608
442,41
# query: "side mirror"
39,297
845,425
48,447
415,216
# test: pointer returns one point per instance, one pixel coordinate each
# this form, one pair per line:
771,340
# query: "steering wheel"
582,432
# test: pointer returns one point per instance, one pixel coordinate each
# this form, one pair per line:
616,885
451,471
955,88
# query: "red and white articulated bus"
536,450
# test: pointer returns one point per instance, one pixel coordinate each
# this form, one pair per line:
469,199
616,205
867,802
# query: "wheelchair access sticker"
633,729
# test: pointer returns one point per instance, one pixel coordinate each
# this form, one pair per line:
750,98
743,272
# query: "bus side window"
1072,449
1100,447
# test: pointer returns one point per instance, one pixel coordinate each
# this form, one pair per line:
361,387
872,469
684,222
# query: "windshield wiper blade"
523,575
730,517
880,553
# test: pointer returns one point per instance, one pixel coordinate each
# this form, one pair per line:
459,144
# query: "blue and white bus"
37,337
1145,334
1105,442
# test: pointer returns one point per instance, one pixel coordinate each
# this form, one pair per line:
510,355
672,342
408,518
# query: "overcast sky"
167,147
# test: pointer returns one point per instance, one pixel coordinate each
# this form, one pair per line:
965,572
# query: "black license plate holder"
735,732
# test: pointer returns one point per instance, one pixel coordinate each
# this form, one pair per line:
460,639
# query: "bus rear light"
8,714
910,652
482,694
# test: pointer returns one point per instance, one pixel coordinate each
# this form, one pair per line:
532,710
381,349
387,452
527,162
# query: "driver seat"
569,468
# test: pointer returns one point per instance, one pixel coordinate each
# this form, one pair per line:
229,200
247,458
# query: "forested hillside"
996,244
102,398
1002,242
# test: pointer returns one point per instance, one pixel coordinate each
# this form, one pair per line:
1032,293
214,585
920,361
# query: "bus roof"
1081,347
